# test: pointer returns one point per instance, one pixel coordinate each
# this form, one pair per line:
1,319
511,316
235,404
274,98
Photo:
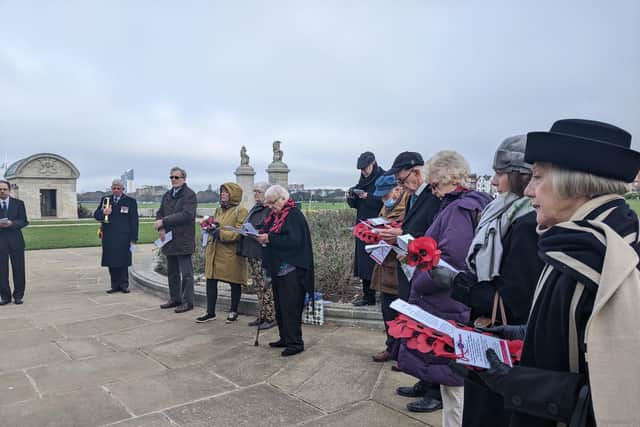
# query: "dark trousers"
180,276
368,294
388,314
404,287
119,278
17,265
212,296
288,293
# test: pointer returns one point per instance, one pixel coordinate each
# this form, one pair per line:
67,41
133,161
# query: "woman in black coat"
504,269
361,198
288,261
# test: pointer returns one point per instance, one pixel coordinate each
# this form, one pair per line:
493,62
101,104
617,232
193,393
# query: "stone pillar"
244,178
278,171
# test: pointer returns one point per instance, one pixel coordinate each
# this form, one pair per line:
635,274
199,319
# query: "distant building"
483,184
129,183
296,187
150,193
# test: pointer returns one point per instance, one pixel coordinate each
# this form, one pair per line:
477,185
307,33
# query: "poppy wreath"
209,224
423,253
429,341
366,234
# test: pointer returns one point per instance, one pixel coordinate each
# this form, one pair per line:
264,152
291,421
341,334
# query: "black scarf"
368,180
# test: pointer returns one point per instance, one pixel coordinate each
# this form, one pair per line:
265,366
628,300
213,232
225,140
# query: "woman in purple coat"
453,229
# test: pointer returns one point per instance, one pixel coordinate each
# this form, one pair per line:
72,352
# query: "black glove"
508,332
216,234
496,376
443,277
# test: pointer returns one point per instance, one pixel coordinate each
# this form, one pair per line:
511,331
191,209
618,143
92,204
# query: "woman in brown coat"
385,276
221,261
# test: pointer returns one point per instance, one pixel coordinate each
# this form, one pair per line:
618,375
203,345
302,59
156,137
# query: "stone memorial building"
46,183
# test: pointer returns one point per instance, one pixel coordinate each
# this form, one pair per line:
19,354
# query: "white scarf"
485,253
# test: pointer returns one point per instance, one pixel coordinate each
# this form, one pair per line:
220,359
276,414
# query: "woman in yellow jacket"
221,261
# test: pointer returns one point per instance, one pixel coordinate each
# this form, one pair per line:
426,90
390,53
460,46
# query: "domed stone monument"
46,183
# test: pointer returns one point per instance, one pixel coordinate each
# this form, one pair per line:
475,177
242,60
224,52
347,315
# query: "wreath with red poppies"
423,253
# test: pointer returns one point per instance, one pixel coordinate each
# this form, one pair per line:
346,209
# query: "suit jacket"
419,216
119,232
11,237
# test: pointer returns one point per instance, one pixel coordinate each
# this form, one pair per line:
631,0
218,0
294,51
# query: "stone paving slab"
63,363
151,420
261,405
170,388
71,375
15,387
102,325
79,409
83,348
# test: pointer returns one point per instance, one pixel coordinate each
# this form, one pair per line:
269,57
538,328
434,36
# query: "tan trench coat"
221,261
384,277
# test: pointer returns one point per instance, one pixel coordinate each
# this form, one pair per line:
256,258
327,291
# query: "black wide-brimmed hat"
586,146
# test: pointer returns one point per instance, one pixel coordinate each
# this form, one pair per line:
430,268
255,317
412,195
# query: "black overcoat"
119,232
178,214
11,238
519,271
365,208
248,247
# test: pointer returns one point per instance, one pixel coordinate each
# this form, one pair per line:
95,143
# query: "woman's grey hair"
117,182
448,167
569,184
276,192
182,171
261,186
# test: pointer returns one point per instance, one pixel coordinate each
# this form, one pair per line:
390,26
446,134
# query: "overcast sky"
112,85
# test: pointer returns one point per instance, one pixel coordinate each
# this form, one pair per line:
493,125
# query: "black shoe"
291,351
183,308
5,301
112,291
267,325
125,291
419,389
278,344
232,317
19,301
205,318
170,304
363,302
255,322
426,404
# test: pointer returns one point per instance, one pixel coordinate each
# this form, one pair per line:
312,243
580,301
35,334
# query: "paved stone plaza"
75,356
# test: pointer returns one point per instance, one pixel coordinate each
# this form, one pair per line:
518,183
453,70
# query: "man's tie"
412,200
4,208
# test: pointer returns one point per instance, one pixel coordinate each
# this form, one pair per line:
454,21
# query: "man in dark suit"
422,206
119,231
177,214
13,217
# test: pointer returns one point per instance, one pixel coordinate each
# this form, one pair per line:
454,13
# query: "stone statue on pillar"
278,171
244,178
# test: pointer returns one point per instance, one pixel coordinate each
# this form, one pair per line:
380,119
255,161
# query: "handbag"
313,312
484,322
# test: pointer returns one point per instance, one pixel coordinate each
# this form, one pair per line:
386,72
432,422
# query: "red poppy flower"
423,253
365,234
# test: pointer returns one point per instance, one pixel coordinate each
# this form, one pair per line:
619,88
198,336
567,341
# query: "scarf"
274,222
485,253
364,181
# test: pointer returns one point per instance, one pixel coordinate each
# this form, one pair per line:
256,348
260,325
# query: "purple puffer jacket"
453,229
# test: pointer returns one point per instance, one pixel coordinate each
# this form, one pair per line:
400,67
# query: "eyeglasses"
402,180
175,177
434,185
258,191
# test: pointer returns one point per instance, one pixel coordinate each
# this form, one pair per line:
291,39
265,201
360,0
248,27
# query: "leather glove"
496,376
508,332
443,277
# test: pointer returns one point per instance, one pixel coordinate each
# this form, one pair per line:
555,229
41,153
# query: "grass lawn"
75,236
